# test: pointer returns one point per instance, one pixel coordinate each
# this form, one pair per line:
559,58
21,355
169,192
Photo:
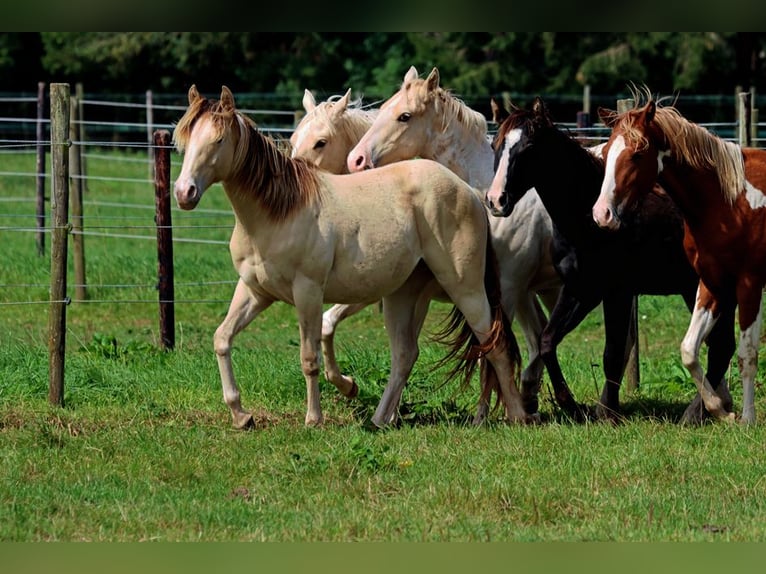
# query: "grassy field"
144,449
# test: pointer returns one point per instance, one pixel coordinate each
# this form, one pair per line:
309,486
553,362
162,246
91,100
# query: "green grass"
144,449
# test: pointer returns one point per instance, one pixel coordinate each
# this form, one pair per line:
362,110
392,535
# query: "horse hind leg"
747,354
404,313
330,320
532,320
244,307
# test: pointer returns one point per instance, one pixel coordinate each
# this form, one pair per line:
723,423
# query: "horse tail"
465,350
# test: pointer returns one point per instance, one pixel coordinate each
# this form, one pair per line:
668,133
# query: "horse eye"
404,118
320,144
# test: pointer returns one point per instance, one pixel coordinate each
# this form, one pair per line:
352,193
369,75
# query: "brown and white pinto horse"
720,189
306,237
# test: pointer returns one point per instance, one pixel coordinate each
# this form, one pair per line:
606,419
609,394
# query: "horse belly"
368,279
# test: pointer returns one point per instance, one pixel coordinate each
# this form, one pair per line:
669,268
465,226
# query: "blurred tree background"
474,66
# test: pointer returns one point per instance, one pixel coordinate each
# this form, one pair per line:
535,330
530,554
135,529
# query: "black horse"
648,255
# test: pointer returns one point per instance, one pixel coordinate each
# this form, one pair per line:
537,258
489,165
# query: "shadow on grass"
634,407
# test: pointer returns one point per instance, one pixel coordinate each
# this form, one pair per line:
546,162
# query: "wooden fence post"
165,283
40,177
77,177
632,370
59,94
743,119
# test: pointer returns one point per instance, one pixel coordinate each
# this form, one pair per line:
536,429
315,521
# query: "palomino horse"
596,266
329,130
719,188
424,120
306,237
324,136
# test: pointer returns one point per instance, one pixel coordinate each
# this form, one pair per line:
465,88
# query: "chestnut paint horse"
307,237
597,267
720,188
424,120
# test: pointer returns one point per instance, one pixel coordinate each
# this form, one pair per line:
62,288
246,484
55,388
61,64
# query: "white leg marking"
747,355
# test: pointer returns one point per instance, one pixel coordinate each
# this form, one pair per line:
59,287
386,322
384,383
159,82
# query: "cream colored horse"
307,237
329,130
323,137
424,120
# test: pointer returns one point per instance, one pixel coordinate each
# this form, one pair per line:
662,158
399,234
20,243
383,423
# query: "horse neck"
263,184
467,152
566,179
696,192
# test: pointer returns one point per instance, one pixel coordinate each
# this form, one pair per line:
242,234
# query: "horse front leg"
568,312
618,313
330,320
244,307
721,346
308,296
704,318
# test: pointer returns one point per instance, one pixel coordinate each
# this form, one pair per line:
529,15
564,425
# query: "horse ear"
412,74
342,104
609,117
309,103
227,98
649,111
433,80
499,113
193,94
538,107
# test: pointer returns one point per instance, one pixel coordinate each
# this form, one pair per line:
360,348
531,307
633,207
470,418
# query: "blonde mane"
356,119
688,143
449,106
282,185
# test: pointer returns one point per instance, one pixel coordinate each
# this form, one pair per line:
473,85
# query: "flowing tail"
465,350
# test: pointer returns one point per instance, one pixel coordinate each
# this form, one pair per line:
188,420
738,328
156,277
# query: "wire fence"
128,143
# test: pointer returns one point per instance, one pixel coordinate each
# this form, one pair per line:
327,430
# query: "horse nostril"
359,161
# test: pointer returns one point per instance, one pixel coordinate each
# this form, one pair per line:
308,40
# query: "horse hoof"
353,392
534,419
244,421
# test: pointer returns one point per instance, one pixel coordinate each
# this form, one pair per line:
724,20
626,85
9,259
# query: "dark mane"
282,185
535,125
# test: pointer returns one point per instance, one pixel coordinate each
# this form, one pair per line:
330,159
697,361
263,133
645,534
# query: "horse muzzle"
187,196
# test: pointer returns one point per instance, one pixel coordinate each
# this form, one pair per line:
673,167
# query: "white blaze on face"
609,184
299,136
497,188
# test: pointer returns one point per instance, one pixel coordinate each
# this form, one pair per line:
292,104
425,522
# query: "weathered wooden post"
632,370
743,119
77,178
165,283
59,94
40,177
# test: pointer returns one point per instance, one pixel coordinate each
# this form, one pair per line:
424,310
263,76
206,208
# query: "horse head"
328,131
633,158
204,136
514,151
405,124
